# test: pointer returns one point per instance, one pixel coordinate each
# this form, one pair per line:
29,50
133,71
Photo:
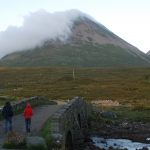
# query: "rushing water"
121,143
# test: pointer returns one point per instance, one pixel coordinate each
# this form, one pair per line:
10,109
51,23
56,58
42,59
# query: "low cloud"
38,27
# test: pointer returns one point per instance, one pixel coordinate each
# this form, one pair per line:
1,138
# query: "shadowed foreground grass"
11,146
23,146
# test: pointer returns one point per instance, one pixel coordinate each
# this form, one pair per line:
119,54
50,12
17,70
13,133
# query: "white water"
121,143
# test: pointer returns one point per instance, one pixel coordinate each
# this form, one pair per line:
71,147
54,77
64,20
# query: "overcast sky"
129,19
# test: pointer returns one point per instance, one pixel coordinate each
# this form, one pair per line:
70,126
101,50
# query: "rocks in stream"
125,130
117,129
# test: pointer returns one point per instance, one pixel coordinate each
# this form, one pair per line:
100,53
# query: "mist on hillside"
37,28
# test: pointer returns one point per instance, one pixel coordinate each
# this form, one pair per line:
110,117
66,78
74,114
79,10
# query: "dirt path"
60,103
41,115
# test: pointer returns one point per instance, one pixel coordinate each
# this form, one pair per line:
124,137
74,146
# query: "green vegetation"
97,118
23,146
91,45
123,84
45,130
12,99
135,113
90,39
39,147
82,54
11,146
47,136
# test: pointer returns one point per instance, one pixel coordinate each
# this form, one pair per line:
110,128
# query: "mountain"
148,53
90,45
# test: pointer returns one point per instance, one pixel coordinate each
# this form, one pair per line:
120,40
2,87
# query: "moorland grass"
134,113
123,84
4,99
98,118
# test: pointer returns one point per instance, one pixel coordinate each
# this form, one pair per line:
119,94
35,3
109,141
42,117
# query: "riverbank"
120,128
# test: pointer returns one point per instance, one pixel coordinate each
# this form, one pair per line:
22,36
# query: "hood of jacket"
7,105
28,106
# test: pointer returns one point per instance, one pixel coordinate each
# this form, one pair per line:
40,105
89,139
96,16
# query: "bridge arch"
69,142
79,120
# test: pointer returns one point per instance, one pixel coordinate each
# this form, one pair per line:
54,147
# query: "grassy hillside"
81,55
89,45
124,84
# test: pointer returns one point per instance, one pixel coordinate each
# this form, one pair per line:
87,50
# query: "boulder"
13,137
144,148
110,114
35,141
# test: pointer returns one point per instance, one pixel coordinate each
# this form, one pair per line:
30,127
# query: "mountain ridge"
89,45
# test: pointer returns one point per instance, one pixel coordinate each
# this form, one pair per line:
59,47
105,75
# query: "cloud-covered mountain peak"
39,27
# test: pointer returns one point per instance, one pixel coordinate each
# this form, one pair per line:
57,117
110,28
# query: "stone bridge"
69,123
67,127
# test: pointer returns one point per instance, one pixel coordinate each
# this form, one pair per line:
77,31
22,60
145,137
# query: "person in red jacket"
28,112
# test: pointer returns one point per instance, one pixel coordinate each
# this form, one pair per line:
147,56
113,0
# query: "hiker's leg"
29,124
5,125
26,122
10,123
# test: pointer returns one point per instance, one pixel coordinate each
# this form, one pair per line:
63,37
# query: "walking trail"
41,115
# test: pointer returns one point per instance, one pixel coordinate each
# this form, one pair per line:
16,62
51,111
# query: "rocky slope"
148,53
89,45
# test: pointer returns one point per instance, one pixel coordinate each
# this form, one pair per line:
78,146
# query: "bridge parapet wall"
25,102
71,118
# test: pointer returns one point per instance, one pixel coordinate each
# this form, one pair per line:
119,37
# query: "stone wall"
105,102
32,100
68,124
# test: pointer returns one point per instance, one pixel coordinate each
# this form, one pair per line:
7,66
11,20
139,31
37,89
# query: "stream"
118,143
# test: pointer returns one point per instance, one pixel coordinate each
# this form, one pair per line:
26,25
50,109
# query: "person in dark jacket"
28,112
7,113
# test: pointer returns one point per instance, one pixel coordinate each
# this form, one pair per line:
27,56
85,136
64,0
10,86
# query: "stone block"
57,138
110,114
13,137
35,141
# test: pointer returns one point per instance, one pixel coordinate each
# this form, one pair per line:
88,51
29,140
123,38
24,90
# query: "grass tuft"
38,147
46,133
12,146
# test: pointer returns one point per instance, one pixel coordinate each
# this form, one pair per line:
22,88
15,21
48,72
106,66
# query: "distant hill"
90,45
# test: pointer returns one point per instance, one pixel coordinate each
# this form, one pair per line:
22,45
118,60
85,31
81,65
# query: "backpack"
9,113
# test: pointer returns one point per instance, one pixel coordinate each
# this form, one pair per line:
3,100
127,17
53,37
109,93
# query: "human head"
28,106
8,102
